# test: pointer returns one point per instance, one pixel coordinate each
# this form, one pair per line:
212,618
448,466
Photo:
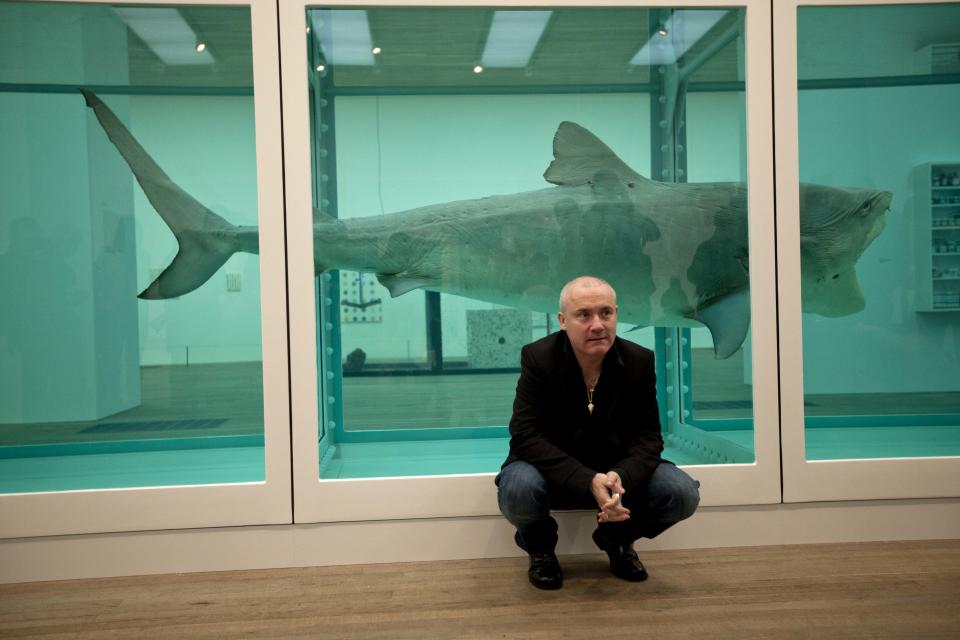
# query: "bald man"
585,434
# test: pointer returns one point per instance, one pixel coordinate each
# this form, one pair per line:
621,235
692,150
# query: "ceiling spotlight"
376,50
478,69
662,30
321,67
201,46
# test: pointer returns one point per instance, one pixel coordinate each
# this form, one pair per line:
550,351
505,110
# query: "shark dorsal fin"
578,155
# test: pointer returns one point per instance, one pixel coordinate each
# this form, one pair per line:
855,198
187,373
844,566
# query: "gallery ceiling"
435,47
425,47
431,48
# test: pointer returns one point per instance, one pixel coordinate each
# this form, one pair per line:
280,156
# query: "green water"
893,115
416,124
101,390
92,392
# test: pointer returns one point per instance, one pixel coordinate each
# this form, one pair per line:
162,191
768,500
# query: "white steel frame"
268,502
823,480
320,500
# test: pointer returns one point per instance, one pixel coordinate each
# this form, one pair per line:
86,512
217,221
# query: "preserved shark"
676,253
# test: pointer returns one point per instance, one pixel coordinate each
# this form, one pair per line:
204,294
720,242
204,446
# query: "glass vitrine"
878,411
137,192
439,239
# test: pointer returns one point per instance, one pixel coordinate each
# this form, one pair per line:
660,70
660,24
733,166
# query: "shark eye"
867,205
835,276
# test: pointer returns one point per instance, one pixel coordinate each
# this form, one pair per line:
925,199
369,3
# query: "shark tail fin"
206,240
199,257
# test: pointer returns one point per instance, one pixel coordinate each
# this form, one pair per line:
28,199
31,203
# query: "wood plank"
877,590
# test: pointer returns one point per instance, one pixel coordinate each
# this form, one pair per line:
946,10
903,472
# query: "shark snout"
880,203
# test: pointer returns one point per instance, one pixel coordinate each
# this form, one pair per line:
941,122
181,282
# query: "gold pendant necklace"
590,388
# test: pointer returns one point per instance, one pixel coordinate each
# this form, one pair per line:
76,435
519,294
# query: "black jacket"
552,429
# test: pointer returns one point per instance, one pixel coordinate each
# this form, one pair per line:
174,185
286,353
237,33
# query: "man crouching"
585,433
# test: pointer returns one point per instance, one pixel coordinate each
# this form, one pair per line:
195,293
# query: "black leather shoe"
624,562
544,571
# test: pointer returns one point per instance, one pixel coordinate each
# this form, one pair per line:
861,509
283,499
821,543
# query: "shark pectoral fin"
578,155
636,328
198,259
834,297
728,319
400,283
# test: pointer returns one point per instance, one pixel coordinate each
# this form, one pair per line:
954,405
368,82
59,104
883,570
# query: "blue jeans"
525,500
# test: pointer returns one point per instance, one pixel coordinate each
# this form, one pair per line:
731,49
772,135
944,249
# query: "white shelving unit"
937,188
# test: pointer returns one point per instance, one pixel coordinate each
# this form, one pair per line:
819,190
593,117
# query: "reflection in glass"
884,381
100,389
456,193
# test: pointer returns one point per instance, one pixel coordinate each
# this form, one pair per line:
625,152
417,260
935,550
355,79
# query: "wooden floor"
867,590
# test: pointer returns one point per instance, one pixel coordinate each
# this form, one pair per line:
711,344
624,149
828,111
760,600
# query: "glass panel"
430,286
880,230
100,389
717,393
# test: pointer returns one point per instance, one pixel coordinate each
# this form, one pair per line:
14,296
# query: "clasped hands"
607,489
